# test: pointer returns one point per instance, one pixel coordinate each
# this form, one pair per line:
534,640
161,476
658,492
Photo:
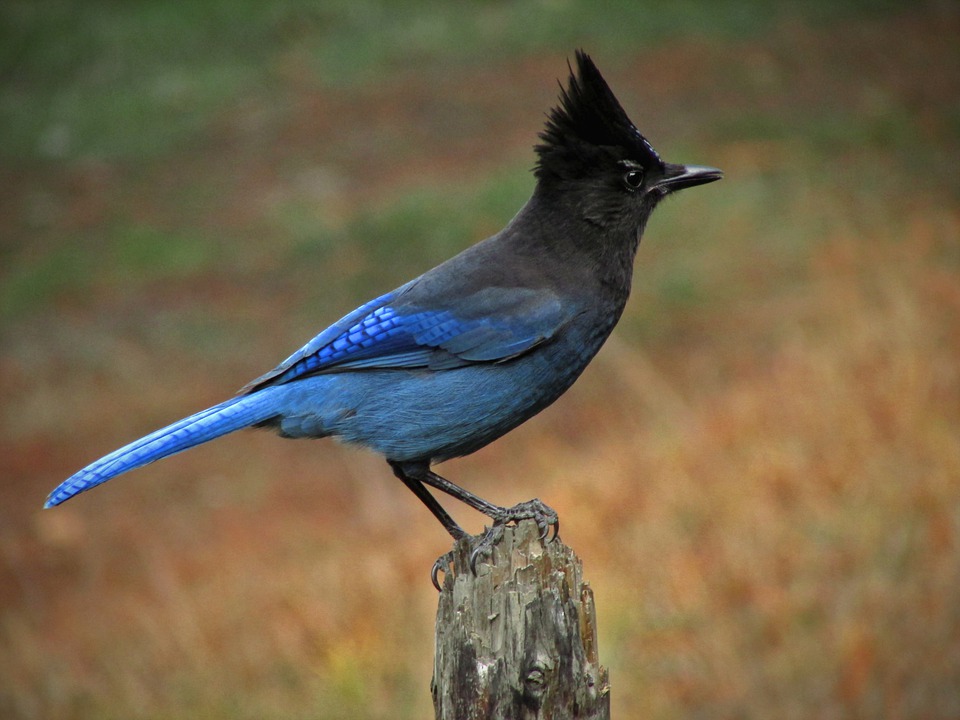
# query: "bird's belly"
431,415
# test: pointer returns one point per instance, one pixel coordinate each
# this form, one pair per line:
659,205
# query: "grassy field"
761,470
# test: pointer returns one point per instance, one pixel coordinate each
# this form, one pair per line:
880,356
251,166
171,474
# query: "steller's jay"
466,352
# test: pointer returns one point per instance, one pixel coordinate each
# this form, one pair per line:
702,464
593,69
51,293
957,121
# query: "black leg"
442,564
419,473
465,496
416,485
415,474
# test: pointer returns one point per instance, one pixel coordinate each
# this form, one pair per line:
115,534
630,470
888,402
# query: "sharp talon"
473,561
544,530
554,530
442,565
544,516
485,542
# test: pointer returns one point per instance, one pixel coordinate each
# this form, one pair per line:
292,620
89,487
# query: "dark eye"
633,179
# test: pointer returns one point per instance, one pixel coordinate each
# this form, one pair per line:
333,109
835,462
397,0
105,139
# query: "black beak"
677,177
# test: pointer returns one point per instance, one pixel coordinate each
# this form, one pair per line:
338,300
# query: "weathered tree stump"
518,640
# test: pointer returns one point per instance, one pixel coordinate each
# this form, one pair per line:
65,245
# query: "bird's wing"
492,324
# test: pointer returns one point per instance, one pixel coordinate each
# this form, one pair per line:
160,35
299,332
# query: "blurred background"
760,471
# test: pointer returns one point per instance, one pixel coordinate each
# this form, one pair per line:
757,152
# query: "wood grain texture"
518,640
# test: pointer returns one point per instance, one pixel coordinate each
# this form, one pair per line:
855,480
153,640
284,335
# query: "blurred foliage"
131,80
761,470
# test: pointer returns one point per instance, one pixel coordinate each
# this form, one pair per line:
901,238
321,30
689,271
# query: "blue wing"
491,325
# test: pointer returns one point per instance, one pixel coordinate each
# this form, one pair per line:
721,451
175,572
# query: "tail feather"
206,425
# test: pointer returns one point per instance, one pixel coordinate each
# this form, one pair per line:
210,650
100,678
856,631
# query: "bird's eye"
633,179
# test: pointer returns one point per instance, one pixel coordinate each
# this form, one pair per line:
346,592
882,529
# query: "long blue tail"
206,425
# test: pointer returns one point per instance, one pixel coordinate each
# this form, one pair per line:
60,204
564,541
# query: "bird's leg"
420,473
545,516
442,562
416,485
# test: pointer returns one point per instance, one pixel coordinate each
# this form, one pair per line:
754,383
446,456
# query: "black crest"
588,127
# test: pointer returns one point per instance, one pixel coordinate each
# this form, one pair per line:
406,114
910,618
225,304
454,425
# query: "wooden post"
518,640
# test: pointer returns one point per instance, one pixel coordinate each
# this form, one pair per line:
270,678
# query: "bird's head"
594,156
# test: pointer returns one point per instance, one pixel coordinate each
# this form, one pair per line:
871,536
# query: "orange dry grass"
783,541
790,547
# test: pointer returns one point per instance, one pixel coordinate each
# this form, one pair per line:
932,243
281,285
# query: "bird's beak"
677,177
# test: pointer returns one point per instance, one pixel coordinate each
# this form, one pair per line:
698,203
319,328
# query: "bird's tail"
206,425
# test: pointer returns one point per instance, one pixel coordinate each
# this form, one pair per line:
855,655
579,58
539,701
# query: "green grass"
405,236
122,257
133,80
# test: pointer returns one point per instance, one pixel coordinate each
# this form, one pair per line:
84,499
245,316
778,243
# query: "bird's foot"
443,564
482,545
543,515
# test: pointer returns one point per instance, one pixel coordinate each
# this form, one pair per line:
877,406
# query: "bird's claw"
550,526
484,547
441,565
543,515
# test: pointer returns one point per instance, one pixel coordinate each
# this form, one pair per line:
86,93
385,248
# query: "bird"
452,360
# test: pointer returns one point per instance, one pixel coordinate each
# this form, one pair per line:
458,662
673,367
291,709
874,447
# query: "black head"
591,147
